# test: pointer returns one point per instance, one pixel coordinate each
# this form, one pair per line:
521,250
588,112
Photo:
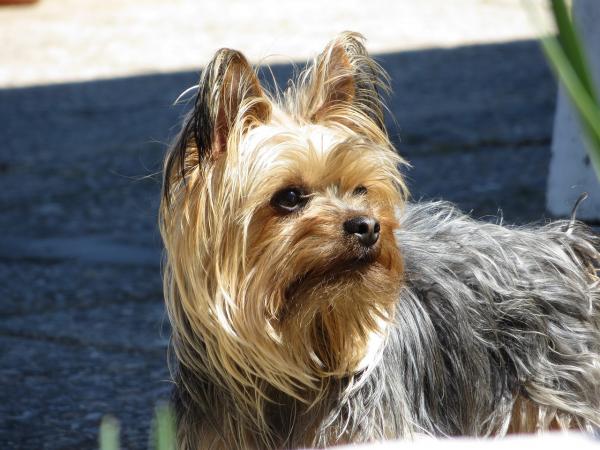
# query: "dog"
312,304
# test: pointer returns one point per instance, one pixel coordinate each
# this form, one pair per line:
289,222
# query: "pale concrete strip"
71,40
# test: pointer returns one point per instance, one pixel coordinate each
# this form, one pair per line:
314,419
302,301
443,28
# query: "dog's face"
320,208
278,220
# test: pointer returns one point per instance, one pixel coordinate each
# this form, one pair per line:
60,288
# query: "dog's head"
277,216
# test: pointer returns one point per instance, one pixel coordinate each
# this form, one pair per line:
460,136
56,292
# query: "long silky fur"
216,343
487,330
493,320
496,331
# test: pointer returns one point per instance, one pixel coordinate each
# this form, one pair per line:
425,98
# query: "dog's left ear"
229,94
344,79
230,99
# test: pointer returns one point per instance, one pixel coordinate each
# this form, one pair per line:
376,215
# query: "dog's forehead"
314,155
321,138
274,139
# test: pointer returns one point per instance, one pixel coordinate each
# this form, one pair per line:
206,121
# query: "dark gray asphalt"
83,331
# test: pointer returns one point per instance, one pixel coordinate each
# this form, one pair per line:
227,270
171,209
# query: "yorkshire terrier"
312,305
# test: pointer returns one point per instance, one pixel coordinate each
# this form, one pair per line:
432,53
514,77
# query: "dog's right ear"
230,100
344,79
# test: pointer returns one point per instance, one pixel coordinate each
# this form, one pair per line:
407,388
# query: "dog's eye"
288,199
360,190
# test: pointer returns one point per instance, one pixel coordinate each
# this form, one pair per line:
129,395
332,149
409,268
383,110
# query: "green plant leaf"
585,104
109,433
164,428
570,42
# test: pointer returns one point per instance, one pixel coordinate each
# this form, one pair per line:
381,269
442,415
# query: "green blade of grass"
109,434
164,428
567,58
571,44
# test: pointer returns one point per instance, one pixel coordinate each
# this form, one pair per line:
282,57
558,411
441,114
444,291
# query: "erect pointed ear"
344,79
229,93
229,97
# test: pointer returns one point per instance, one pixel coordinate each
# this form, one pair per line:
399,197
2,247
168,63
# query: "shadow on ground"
83,332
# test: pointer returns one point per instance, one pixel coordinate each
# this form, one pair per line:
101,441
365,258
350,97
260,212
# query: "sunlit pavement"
68,40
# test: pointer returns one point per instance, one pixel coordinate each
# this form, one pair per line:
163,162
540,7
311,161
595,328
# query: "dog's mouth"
363,258
344,267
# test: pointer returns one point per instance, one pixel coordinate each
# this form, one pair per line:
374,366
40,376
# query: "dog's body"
311,306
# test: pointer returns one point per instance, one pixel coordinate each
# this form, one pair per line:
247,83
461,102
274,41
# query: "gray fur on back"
491,312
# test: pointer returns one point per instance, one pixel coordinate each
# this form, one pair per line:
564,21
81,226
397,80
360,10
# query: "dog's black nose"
366,229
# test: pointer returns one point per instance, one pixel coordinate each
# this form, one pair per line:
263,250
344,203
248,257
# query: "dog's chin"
346,268
337,311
